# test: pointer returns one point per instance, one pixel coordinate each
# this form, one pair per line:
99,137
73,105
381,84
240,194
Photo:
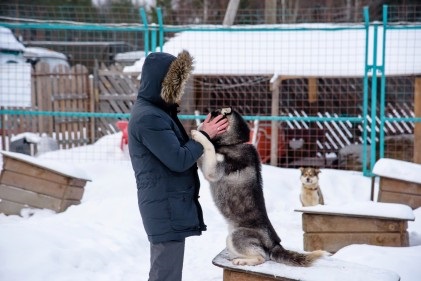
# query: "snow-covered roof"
364,209
8,41
55,166
326,50
39,52
335,269
398,169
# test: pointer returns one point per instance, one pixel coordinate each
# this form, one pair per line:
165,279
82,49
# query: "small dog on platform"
311,194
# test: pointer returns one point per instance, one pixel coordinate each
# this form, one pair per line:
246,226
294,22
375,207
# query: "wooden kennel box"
26,181
400,182
327,268
331,228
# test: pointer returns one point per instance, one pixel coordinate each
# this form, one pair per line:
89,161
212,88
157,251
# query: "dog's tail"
281,255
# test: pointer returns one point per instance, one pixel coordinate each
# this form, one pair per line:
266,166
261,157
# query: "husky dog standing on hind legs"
233,169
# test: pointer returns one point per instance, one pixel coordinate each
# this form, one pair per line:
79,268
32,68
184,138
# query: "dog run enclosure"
337,95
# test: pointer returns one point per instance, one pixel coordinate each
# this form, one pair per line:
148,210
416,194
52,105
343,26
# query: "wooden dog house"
400,182
331,228
326,268
26,181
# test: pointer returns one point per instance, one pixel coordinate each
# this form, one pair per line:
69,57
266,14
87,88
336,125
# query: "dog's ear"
317,170
301,169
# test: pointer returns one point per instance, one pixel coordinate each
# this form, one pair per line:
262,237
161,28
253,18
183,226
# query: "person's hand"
214,127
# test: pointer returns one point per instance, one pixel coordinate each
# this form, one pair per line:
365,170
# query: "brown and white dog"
311,194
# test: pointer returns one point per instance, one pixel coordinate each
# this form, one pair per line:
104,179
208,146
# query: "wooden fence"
115,92
72,90
109,90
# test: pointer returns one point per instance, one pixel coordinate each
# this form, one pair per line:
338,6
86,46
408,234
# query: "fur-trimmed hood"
164,76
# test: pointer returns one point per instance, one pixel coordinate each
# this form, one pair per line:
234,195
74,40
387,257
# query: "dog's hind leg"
246,246
208,163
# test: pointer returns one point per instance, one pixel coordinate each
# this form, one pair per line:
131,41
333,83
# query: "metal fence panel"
329,95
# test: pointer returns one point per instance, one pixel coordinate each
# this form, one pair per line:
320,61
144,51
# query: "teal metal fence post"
153,38
383,86
160,28
146,32
373,115
367,69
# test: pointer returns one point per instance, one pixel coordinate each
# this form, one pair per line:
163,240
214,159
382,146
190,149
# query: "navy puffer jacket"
162,155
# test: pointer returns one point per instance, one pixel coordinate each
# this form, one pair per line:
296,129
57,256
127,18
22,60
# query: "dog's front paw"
195,134
199,137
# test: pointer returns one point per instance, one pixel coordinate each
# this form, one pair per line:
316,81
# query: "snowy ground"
103,238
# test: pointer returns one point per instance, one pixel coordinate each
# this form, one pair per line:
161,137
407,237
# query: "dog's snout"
215,113
308,179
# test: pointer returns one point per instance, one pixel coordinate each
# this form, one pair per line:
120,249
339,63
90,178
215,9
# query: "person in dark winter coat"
164,162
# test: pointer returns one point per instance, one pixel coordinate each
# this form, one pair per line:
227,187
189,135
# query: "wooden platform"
26,181
331,228
400,182
324,269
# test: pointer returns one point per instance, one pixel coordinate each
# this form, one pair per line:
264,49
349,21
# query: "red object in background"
262,141
122,125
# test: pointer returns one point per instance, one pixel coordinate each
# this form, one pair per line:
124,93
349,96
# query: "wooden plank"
394,185
332,242
42,186
328,223
114,83
73,193
67,203
43,94
11,208
60,89
21,167
32,169
331,268
411,200
91,106
274,87
76,182
33,184
34,199
417,113
67,88
231,275
83,88
127,84
72,106
312,90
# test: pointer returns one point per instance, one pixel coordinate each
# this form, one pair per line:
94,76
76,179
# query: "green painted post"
367,68
153,39
146,32
373,100
160,28
383,86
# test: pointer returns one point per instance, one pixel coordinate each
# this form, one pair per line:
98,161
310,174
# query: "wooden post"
231,12
3,129
93,90
417,112
274,87
270,11
312,90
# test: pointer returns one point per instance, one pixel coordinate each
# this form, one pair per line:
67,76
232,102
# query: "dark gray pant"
167,261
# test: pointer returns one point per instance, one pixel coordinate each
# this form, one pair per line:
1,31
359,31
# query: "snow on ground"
103,238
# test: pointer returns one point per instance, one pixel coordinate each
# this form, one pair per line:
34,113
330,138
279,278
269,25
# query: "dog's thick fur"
311,194
233,169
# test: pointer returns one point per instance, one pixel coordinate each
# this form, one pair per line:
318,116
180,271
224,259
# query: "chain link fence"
309,86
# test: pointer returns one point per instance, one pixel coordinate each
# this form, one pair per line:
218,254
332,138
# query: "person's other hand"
214,127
